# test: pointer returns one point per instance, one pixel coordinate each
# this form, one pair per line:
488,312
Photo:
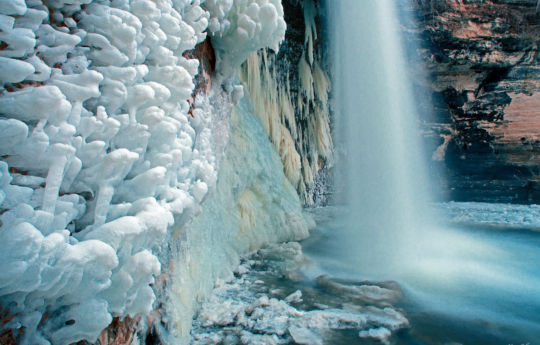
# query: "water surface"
474,282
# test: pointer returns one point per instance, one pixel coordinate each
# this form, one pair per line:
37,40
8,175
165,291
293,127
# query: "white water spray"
385,177
390,231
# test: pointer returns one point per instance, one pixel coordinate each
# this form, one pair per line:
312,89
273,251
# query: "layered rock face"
482,79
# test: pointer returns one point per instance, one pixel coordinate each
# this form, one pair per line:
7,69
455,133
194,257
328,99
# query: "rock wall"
481,80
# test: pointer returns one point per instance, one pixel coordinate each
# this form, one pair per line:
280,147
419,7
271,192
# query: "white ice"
101,161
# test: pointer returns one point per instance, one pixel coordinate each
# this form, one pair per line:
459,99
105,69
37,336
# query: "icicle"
321,84
289,156
281,111
310,11
274,108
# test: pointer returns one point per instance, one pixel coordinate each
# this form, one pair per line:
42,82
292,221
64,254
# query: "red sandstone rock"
204,52
8,336
483,71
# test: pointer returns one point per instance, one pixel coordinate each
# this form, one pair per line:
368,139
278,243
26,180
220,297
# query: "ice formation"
253,204
249,309
241,27
296,121
101,160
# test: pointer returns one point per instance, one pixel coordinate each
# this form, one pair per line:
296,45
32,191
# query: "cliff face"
482,64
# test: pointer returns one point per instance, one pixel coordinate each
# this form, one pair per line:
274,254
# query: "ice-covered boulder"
241,27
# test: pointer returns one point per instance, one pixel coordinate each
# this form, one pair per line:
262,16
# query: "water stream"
383,182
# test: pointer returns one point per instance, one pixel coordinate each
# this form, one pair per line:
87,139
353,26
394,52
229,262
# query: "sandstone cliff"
482,79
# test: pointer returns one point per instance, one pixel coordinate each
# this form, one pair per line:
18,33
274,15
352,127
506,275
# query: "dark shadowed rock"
482,83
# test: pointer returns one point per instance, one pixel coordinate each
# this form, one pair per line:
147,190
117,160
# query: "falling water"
389,230
384,175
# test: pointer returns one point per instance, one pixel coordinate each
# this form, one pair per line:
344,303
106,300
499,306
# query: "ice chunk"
380,333
103,52
117,232
78,87
37,103
20,42
63,3
13,132
294,297
13,7
199,190
54,45
142,268
244,27
42,71
125,75
14,71
82,321
21,245
142,185
32,19
6,22
175,78
302,335
58,155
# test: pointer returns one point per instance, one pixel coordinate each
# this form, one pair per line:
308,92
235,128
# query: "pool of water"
477,282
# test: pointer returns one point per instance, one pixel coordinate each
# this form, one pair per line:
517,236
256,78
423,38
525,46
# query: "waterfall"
389,229
381,171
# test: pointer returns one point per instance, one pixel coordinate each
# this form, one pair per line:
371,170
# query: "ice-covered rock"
106,153
241,308
241,27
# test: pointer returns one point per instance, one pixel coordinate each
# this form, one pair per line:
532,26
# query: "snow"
101,162
493,214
